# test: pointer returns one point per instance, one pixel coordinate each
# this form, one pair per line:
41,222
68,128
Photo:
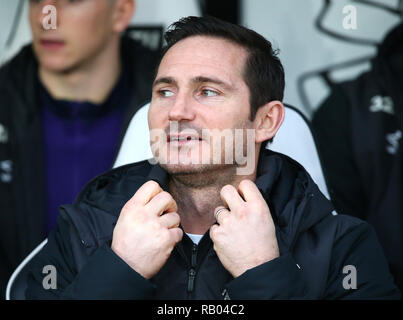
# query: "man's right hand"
147,230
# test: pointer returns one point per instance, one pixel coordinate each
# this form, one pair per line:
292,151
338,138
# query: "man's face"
199,96
84,28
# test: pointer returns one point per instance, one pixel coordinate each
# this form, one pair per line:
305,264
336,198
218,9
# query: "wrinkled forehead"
203,52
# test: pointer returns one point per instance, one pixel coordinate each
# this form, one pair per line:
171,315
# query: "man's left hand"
245,236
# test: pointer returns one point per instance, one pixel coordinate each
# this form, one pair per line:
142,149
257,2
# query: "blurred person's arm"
331,125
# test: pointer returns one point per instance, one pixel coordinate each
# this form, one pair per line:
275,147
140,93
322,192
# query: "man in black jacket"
199,224
71,88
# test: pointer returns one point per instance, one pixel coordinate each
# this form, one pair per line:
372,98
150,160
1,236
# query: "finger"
230,197
249,191
162,202
176,234
220,213
146,192
170,220
212,232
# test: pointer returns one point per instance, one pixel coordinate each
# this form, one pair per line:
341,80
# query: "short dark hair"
263,72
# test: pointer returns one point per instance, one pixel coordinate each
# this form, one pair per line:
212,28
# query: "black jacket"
22,190
359,131
314,245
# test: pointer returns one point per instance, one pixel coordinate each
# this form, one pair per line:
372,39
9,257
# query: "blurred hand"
246,235
147,230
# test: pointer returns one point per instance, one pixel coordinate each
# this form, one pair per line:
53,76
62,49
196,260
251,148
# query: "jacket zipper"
192,271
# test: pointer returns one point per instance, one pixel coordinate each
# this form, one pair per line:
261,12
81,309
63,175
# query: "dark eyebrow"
166,80
196,80
202,79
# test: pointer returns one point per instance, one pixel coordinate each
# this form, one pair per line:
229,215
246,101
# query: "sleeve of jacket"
280,279
359,269
104,275
331,127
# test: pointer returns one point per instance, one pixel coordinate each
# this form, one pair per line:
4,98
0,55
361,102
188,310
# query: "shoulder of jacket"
108,179
344,224
18,63
97,207
137,55
137,47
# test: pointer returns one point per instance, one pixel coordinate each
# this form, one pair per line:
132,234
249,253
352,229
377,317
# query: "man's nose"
182,109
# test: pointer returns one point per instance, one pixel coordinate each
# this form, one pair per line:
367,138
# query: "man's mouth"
52,44
183,139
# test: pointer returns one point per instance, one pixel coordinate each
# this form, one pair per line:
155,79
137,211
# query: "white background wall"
289,24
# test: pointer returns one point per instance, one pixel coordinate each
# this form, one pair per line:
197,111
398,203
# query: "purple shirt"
80,142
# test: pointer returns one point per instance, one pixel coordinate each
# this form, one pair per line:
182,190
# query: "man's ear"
268,120
123,13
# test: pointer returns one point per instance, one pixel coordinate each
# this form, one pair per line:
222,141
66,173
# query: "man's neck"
197,195
92,81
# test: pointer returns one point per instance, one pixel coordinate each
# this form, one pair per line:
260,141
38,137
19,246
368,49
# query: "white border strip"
21,266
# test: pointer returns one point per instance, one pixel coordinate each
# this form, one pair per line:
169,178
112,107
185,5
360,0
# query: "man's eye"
209,93
165,93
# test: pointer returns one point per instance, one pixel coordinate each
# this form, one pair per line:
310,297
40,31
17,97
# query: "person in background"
66,100
359,131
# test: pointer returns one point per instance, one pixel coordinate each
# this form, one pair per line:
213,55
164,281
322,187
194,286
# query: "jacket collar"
295,201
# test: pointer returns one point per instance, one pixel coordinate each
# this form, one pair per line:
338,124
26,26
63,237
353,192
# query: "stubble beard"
202,175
